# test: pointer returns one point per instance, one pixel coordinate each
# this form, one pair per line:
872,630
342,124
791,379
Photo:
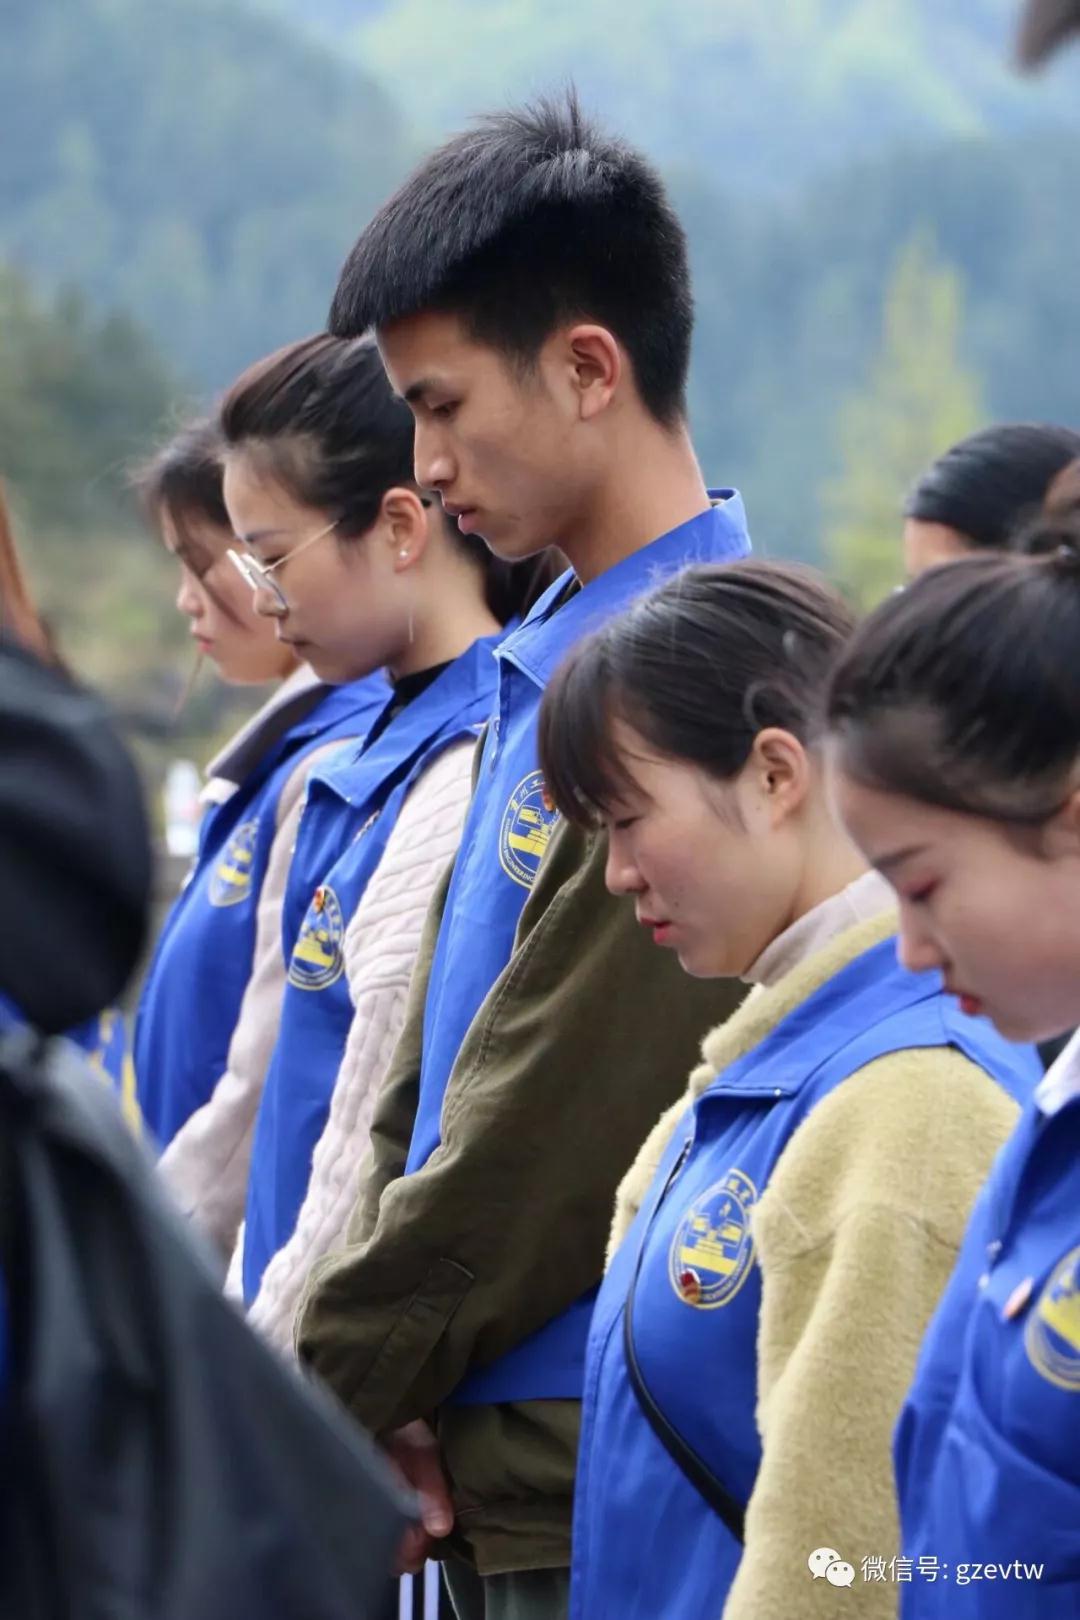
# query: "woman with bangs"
784,1235
224,927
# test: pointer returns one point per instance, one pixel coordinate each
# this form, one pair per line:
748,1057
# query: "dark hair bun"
1056,536
994,482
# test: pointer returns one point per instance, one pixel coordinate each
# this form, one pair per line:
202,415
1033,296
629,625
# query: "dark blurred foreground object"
74,847
1044,26
160,1462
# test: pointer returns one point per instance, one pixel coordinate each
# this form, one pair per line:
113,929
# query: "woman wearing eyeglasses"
357,570
225,922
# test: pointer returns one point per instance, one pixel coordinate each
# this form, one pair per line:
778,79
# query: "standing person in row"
315,436
530,294
225,924
795,1217
337,561
982,495
955,716
978,494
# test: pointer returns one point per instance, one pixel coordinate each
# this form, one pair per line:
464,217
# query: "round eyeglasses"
260,576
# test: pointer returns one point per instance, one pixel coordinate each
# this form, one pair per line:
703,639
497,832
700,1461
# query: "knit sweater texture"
380,949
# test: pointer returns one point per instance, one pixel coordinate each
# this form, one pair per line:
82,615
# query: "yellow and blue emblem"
318,957
713,1247
527,826
1052,1335
231,881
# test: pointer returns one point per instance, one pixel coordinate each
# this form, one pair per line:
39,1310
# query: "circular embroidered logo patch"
318,957
231,880
526,830
713,1249
1052,1334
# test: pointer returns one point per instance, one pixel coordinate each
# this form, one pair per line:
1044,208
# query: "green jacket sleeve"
583,1040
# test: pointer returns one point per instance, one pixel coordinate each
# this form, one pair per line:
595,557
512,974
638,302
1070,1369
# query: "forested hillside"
791,302
761,95
876,206
196,164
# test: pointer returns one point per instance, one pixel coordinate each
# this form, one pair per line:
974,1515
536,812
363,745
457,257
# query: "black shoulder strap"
719,1498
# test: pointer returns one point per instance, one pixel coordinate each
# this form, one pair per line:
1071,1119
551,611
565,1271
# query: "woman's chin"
699,963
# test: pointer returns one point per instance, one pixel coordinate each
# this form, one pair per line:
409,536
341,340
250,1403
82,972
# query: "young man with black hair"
529,290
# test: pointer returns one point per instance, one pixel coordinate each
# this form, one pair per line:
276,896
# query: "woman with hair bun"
981,491
786,1231
954,746
223,928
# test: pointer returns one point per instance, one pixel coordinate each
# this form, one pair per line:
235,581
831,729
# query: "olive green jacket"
583,1040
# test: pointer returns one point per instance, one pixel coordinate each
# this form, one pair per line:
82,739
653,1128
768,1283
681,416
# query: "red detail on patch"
546,800
320,899
690,1285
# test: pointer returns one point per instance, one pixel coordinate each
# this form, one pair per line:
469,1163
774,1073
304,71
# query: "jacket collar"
762,1012
555,624
302,705
466,684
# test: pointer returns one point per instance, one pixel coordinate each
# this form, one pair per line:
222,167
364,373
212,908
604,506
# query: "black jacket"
74,848
160,1463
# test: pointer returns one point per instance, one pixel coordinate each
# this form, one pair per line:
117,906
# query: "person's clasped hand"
414,1451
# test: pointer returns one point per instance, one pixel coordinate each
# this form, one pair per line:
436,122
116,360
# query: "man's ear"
403,524
596,366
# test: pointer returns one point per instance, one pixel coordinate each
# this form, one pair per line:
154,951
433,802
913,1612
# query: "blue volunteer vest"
351,809
201,966
506,832
645,1541
988,1444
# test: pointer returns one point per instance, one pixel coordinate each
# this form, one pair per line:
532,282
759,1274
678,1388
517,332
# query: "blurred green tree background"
882,219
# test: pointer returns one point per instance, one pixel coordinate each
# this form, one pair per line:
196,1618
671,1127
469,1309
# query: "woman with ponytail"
954,720
786,1230
222,931
358,571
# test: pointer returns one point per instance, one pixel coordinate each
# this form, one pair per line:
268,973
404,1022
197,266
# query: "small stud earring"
403,555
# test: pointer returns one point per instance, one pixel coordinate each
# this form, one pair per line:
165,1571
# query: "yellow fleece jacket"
856,1234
